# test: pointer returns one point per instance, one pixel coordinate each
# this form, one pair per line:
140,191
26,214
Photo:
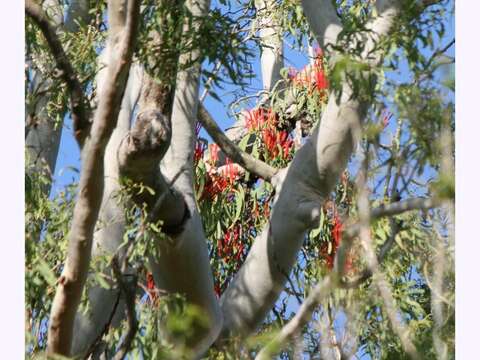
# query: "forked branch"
87,206
80,110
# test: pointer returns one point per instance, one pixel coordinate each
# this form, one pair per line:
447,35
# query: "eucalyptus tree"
318,224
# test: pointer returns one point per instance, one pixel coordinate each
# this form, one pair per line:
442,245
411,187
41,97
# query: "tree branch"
128,289
329,283
247,161
182,265
404,206
271,57
79,107
87,206
300,191
301,318
323,20
108,236
139,155
379,278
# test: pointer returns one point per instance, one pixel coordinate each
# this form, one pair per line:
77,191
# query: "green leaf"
46,272
239,201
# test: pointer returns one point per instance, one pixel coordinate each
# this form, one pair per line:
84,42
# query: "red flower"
321,81
275,140
302,78
312,76
231,172
256,119
214,185
336,238
152,293
286,144
251,120
269,139
266,210
222,243
230,242
218,181
198,152
239,251
337,231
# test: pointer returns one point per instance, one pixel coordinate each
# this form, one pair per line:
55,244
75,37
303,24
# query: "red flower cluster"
257,119
231,172
266,121
213,150
218,182
230,246
336,236
199,150
151,289
275,141
312,76
336,239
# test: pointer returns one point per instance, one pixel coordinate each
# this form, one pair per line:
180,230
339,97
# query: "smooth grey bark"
111,220
301,188
85,214
323,20
271,40
43,133
184,267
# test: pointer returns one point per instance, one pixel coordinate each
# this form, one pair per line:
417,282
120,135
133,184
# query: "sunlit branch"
79,106
238,156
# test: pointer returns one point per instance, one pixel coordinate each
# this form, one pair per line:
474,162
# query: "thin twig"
129,294
404,206
303,315
379,279
80,110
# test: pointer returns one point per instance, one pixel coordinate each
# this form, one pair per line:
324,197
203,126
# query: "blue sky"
69,156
